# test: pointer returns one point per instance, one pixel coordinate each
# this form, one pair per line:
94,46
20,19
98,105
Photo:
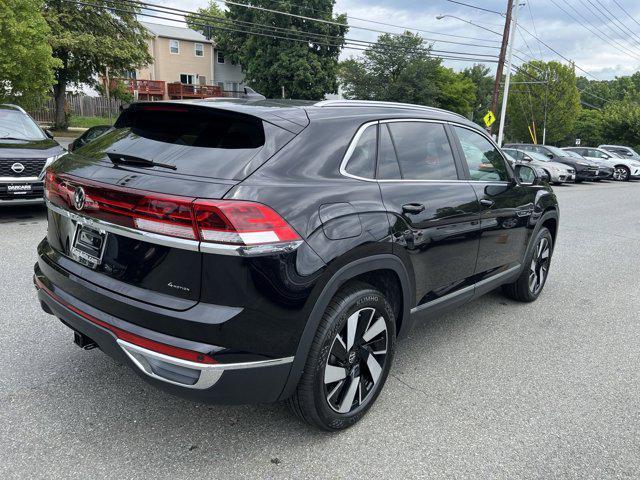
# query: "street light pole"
505,95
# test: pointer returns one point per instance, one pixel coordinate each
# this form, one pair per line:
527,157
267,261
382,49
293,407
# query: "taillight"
240,223
234,222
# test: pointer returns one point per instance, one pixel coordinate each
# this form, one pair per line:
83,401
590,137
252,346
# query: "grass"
87,122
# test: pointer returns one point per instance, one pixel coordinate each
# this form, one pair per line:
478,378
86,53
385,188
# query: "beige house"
187,63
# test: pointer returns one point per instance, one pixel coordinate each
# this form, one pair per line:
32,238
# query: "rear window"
199,141
206,128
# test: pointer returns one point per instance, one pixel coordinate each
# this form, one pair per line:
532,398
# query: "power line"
475,6
624,28
352,46
592,29
600,15
626,13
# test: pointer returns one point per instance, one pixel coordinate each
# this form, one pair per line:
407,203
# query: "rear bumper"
260,381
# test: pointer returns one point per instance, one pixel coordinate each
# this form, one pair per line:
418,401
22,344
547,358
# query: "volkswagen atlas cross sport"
25,150
257,252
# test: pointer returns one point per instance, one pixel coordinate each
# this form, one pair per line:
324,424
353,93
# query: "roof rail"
17,107
375,103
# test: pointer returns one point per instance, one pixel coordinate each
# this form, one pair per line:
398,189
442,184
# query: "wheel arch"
381,271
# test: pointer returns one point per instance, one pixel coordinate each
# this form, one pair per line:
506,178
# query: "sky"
609,47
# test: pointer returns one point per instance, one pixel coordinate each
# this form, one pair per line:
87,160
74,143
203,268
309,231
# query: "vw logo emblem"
17,167
352,357
79,198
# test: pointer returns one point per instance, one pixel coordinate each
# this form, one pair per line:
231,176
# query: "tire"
535,272
557,183
579,181
621,173
329,396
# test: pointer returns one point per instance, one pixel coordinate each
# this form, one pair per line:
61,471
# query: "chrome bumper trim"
20,180
174,242
209,373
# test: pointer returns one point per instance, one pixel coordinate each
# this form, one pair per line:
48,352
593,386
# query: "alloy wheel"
539,265
356,360
620,174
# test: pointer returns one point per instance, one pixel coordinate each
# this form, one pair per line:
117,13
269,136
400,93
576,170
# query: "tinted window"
483,159
362,161
388,167
423,151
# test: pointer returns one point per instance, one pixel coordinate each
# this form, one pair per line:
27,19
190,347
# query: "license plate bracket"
88,246
19,188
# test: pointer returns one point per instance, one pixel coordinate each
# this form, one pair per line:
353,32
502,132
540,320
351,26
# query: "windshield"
16,125
571,153
556,151
541,157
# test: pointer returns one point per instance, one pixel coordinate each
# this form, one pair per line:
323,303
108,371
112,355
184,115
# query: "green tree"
205,19
401,68
305,64
88,40
589,128
26,63
482,79
621,123
528,102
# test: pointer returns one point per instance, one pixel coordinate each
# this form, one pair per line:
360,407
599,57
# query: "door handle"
487,203
413,208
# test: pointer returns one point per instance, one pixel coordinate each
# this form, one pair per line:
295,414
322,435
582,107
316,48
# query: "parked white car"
557,172
624,168
621,150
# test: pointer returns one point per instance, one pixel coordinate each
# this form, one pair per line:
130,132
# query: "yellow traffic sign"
489,118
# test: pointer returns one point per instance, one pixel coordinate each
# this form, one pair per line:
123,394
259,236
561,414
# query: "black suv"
254,253
585,169
25,150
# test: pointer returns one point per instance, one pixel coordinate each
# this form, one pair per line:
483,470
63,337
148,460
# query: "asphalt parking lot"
494,389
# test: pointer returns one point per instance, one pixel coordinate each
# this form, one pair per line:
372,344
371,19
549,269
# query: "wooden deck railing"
145,87
177,90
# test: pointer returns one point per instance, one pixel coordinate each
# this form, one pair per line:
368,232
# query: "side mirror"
526,158
550,155
48,133
526,175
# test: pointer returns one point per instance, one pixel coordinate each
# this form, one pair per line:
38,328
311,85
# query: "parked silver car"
558,173
625,167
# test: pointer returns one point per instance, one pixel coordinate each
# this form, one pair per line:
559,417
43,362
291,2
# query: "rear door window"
423,151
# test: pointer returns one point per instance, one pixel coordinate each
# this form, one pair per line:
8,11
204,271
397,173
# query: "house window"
220,57
199,49
187,78
174,46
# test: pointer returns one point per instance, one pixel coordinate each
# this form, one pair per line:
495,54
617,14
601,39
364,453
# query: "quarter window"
362,160
220,57
199,49
484,161
174,46
423,151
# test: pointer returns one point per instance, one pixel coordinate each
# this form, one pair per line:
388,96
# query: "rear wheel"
349,359
534,274
621,173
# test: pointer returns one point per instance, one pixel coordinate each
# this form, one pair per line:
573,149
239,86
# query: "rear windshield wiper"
119,158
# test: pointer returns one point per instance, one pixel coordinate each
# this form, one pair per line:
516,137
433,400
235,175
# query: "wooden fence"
79,106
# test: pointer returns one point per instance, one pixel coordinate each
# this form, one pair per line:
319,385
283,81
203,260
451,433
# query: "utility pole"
505,95
503,53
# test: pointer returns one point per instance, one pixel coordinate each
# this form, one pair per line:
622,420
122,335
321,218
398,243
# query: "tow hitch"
83,341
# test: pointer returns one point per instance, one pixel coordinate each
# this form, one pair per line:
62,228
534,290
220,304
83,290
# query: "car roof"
300,112
10,106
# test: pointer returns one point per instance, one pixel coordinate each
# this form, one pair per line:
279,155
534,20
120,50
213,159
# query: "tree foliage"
305,63
205,19
481,77
26,63
401,68
528,102
87,40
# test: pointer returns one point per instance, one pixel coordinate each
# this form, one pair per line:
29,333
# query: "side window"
423,151
362,161
388,167
483,159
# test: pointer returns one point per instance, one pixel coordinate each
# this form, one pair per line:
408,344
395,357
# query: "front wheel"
534,273
349,360
621,173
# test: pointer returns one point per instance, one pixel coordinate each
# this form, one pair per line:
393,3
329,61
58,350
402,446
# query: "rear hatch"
122,208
